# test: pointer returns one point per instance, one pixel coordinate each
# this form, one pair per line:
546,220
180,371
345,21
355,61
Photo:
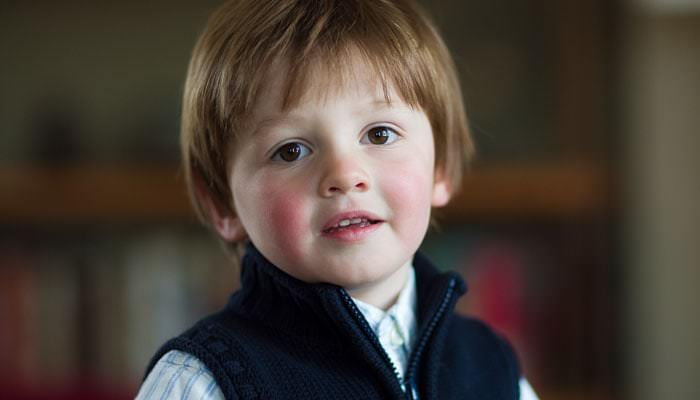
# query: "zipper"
410,390
409,378
408,384
373,337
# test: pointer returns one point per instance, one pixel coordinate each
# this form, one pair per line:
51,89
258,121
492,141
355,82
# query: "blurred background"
577,229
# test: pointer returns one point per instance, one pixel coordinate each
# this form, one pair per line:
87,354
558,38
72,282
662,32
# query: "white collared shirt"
395,328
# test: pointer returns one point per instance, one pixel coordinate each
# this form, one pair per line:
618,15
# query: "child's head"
302,116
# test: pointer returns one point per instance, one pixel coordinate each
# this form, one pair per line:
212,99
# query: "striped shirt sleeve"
179,375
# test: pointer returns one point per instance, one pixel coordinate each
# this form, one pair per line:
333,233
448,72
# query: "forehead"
286,86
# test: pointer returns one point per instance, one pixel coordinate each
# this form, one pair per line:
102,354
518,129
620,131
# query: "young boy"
318,135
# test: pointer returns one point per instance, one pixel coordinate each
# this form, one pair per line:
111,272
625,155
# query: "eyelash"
304,150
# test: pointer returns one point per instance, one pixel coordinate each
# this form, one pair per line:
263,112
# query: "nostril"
344,183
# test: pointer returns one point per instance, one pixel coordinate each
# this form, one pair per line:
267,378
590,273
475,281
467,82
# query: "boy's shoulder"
215,340
484,345
476,328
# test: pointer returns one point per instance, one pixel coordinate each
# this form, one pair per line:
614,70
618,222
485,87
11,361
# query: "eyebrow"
262,127
381,102
376,105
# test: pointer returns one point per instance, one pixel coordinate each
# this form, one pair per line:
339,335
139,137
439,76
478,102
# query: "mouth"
350,220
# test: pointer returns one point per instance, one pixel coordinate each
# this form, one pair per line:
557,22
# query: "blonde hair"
227,69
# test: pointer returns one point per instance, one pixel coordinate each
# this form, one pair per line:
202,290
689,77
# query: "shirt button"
395,338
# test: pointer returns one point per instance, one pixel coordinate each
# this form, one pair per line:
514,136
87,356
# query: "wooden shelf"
102,194
548,190
93,194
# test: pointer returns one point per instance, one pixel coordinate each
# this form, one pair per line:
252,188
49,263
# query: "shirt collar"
403,310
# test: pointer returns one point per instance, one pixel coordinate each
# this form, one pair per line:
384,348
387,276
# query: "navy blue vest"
281,338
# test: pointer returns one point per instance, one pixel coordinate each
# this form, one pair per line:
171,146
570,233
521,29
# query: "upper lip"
333,221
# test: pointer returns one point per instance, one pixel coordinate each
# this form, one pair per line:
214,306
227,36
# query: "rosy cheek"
408,194
285,223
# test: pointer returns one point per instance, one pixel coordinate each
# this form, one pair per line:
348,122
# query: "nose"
342,175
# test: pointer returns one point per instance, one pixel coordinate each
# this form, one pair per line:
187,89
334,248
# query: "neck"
383,293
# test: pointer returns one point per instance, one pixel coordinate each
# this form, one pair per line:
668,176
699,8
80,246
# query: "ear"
442,190
222,219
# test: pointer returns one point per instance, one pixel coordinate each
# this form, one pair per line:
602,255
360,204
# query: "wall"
660,97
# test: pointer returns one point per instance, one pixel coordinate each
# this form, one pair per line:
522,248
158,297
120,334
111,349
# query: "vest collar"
266,290
325,312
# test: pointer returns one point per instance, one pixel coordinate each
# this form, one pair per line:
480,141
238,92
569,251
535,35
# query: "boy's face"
339,188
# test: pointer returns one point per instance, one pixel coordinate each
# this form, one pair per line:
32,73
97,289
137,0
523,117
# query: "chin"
359,277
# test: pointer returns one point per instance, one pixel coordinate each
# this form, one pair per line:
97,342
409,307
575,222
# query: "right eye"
291,152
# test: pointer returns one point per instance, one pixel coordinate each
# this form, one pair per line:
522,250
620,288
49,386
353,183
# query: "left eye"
380,135
291,152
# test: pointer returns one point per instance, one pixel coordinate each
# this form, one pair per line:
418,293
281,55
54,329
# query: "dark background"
577,229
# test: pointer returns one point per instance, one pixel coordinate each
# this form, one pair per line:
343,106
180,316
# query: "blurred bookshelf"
102,259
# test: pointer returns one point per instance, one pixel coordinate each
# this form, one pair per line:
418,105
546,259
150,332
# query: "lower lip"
353,233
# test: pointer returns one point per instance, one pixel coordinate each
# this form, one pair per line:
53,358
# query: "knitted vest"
281,338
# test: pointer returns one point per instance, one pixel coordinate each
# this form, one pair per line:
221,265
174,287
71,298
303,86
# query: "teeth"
348,222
